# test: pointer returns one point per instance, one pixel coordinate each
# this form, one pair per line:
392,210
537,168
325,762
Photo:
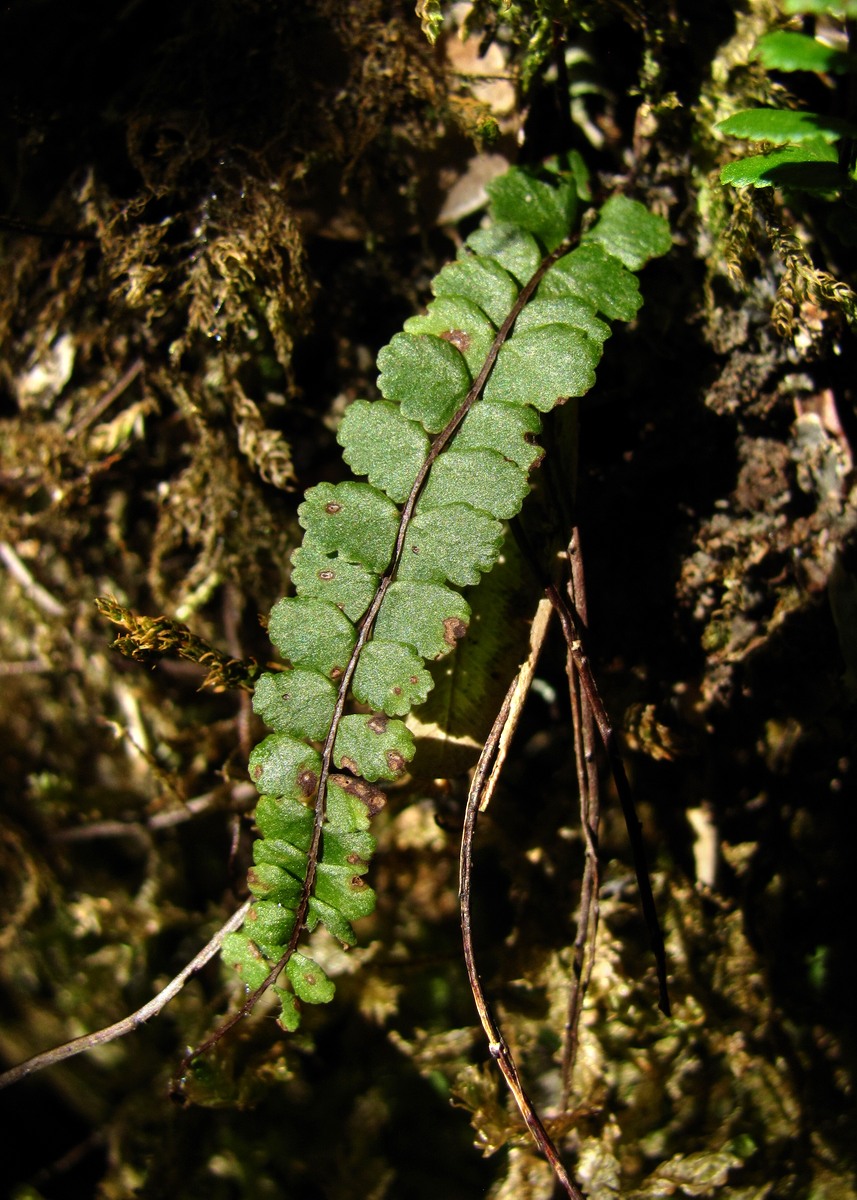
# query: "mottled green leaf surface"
373,747
515,250
272,882
542,205
455,542
510,429
284,766
344,890
283,819
369,429
483,282
390,677
782,125
309,980
351,803
312,633
542,366
317,575
563,310
484,479
352,519
461,323
628,231
424,615
298,702
426,375
786,51
348,848
596,277
241,953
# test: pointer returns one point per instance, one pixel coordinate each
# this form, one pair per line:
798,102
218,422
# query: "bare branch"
496,1042
583,723
124,381
40,596
523,682
572,635
90,1040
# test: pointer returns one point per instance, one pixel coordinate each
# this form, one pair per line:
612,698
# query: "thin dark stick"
364,632
124,381
623,787
496,1042
583,724
572,635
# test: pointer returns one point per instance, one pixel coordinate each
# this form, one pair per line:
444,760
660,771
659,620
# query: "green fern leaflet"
801,151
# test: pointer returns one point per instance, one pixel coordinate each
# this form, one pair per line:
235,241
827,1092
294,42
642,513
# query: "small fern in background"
517,326
809,151
804,154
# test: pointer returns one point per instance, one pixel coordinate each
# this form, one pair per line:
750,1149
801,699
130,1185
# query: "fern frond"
516,327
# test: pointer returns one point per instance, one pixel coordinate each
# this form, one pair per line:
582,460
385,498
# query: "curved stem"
128,1024
623,787
496,1042
588,789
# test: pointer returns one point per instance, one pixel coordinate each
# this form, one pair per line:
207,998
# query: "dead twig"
523,682
124,381
496,1042
128,1024
583,724
40,596
572,633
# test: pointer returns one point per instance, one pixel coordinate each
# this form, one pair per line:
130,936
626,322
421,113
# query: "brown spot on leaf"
350,765
454,629
308,782
415,549
395,761
530,438
353,859
373,798
257,773
378,723
414,680
357,884
332,508
397,691
337,673
327,575
458,338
